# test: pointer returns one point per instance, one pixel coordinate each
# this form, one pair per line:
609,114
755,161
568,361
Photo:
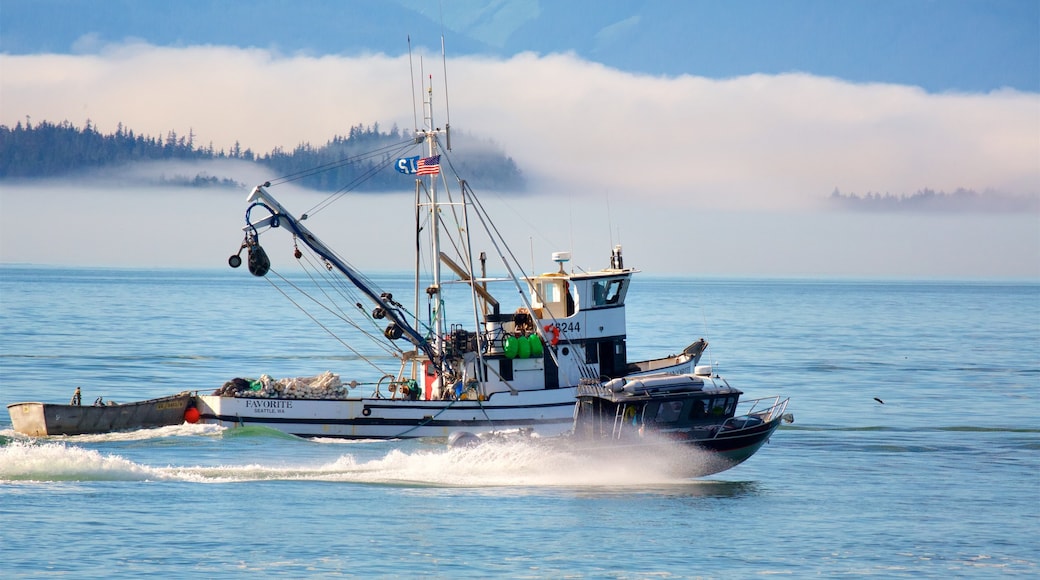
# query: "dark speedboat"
696,421
699,411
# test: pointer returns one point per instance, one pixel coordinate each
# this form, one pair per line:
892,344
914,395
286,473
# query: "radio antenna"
447,108
426,90
411,75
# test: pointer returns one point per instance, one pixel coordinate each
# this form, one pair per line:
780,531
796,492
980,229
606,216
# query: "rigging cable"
316,321
375,289
584,368
344,291
337,163
389,159
427,420
523,217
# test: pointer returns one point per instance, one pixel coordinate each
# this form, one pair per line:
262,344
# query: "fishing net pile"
327,385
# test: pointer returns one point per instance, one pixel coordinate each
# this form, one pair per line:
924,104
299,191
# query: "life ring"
555,330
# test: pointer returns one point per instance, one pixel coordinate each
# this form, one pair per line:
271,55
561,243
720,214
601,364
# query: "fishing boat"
494,367
520,368
50,419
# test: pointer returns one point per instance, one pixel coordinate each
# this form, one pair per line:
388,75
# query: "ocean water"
940,478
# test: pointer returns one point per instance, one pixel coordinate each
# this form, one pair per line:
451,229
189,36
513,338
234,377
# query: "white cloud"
758,142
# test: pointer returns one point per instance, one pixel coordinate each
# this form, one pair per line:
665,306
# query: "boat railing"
765,408
593,388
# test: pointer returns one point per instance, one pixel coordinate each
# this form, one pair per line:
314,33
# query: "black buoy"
234,261
259,264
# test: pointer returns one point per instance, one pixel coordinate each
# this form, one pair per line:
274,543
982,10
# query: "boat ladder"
619,421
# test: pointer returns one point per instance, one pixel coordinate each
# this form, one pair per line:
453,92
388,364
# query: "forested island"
49,150
928,200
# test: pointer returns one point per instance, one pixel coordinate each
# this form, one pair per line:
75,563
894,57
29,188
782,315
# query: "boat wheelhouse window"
553,294
614,291
669,411
599,293
718,406
551,291
699,409
722,406
609,292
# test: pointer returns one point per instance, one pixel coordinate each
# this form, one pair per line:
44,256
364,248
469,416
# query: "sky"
704,170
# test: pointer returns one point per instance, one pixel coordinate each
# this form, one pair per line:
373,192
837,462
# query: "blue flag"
408,165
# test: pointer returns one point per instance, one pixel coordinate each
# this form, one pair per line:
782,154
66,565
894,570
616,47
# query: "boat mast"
434,292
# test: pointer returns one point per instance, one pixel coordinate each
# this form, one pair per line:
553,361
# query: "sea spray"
52,461
522,462
509,463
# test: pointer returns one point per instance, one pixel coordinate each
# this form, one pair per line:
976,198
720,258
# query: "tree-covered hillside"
362,160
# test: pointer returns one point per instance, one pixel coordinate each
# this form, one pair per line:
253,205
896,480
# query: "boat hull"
47,419
548,412
731,448
681,454
545,412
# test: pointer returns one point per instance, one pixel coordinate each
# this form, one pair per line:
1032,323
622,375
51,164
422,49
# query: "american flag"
429,165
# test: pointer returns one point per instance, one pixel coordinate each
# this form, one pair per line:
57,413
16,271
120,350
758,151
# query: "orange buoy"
191,415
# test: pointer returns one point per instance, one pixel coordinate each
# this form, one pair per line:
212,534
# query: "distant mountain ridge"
960,45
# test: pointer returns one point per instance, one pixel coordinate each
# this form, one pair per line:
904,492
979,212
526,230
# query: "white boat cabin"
573,329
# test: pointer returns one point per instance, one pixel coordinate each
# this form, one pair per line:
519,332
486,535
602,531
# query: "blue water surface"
915,450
